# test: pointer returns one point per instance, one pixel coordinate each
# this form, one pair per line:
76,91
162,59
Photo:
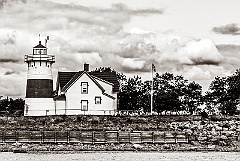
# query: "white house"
83,92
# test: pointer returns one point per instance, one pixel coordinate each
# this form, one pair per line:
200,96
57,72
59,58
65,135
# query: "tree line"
174,94
10,106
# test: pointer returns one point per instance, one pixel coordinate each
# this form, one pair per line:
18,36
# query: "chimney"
86,67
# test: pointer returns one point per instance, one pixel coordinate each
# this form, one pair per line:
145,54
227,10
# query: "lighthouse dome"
40,49
39,45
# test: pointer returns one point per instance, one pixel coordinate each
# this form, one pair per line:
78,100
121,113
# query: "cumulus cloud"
232,56
199,53
196,73
188,51
131,64
230,29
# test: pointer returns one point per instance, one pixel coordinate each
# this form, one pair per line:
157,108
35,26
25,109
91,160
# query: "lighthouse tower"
39,89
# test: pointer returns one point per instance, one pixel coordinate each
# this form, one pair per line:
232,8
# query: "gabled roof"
78,75
65,77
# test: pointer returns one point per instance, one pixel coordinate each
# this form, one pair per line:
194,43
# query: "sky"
196,39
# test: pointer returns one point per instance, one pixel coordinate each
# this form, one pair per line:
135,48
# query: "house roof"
78,75
67,78
108,76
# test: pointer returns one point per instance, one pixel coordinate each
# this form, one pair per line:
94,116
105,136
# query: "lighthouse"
39,88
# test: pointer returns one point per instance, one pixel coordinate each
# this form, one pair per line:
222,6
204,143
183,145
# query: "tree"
131,94
192,97
233,93
224,94
216,93
10,106
168,92
174,94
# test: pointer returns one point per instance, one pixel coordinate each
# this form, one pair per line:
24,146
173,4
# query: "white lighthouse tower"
39,89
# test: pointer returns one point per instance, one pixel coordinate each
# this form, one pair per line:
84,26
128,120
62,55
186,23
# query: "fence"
92,137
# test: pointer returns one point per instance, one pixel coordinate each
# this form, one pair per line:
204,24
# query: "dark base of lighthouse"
39,88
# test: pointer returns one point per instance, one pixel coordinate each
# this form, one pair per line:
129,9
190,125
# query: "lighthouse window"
84,87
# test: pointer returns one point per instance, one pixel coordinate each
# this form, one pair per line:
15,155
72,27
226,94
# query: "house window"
84,89
84,105
98,100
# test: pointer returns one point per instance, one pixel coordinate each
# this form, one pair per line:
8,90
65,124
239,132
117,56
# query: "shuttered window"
98,100
84,87
84,105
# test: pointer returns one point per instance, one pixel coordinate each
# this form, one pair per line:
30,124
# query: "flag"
153,68
46,40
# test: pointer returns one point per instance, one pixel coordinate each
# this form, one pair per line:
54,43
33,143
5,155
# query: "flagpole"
151,111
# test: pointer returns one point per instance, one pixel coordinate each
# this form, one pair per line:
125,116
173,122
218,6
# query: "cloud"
13,87
136,30
9,72
123,8
199,53
57,16
196,73
229,49
133,65
135,45
230,29
180,50
10,2
6,60
9,49
232,56
8,39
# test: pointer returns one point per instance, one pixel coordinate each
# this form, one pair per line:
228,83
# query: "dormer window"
84,87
